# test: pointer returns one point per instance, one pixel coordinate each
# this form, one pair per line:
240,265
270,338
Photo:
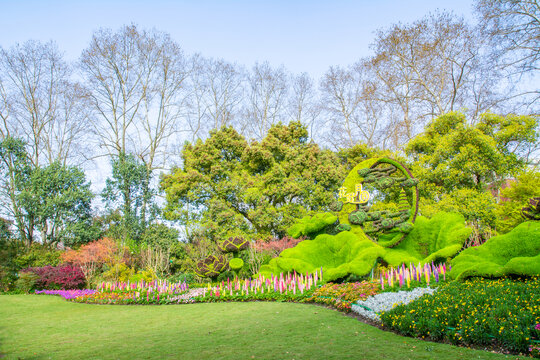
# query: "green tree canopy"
53,200
456,161
128,192
228,185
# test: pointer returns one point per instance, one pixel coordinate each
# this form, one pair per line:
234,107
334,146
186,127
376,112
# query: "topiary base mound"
352,253
514,253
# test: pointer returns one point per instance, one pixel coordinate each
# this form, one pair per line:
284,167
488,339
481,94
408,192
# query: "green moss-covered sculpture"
387,227
513,253
211,266
310,225
532,212
234,244
349,252
339,255
236,264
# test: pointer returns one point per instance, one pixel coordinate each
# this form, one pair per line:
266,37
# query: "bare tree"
433,66
304,105
353,112
136,83
514,30
215,93
267,90
41,104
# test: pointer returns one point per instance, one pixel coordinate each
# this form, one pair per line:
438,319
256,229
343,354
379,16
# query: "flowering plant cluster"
413,276
58,277
141,292
289,287
503,312
342,296
67,294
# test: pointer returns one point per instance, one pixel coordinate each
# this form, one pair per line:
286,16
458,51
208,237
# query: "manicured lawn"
43,327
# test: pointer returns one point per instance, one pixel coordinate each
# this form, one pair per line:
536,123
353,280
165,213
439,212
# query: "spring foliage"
250,188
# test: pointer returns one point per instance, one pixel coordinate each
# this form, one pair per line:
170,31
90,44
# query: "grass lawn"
48,327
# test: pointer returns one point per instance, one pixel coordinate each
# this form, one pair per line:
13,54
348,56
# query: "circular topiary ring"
408,216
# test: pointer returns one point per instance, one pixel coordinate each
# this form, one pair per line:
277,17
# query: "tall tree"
266,99
40,103
51,203
457,161
136,80
227,185
514,28
430,67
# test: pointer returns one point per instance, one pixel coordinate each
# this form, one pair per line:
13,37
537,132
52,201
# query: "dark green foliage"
358,217
250,188
514,253
336,206
343,227
37,256
475,312
160,236
211,266
128,192
234,244
26,282
532,212
311,225
54,200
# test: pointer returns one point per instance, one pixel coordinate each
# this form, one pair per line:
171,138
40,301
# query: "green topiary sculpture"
346,253
532,212
234,244
211,266
312,225
513,253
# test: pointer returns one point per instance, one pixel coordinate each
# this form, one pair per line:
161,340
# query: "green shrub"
474,312
38,256
146,275
119,272
26,282
188,278
513,253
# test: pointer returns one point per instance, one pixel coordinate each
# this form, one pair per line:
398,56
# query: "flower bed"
342,296
67,294
374,305
124,293
289,287
501,312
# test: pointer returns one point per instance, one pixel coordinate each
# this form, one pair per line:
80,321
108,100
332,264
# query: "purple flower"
67,294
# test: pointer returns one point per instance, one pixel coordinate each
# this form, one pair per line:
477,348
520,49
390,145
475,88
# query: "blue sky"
303,36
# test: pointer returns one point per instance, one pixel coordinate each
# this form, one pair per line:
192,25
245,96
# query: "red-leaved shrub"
58,277
276,246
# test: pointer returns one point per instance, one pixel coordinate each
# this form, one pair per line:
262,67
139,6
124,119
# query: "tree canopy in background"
228,184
